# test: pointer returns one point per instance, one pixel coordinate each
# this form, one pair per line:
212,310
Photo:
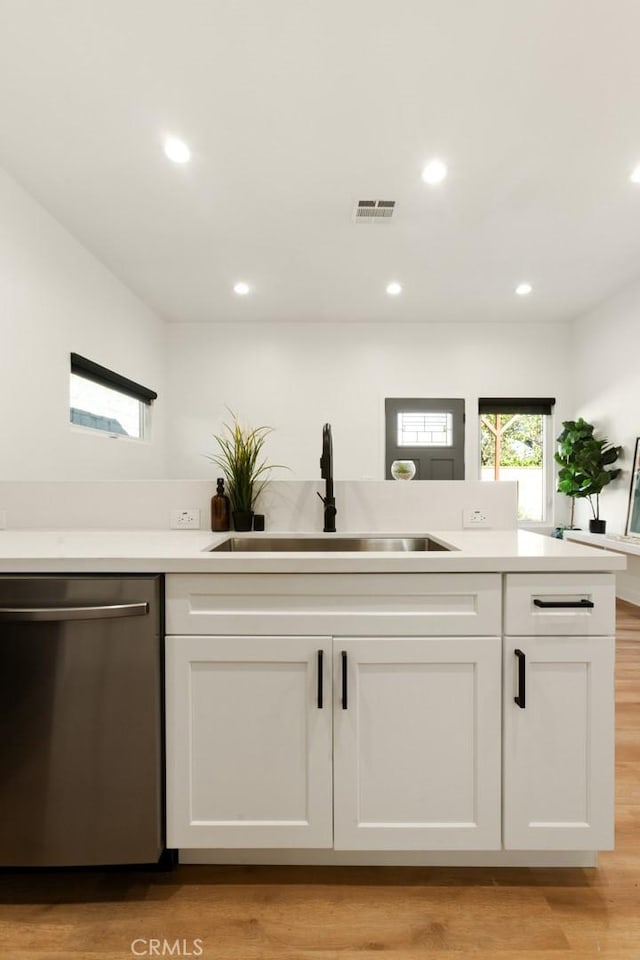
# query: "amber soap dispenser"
220,509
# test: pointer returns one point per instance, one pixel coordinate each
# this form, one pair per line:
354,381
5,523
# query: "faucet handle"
324,499
329,516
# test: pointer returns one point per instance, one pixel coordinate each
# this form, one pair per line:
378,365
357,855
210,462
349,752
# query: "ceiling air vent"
374,211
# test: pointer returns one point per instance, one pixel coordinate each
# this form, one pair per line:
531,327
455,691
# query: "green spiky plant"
583,461
240,459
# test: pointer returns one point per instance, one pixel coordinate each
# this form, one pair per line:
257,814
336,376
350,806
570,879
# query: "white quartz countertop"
186,551
605,541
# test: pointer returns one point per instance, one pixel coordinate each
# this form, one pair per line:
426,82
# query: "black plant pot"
597,526
242,520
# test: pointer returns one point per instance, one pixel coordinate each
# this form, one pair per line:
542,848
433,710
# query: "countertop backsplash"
289,505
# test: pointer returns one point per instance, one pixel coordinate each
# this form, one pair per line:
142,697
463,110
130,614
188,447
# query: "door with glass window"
429,432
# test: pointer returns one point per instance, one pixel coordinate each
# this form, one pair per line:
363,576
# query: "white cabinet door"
417,743
248,742
558,746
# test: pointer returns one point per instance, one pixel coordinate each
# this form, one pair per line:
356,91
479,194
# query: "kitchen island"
450,707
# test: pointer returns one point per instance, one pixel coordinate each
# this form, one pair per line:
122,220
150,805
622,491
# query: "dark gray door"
429,432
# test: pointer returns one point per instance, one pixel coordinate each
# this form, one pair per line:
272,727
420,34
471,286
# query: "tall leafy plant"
241,460
600,457
584,461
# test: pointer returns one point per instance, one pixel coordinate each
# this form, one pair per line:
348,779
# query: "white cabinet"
416,742
559,604
558,755
248,746
429,751
335,604
558,746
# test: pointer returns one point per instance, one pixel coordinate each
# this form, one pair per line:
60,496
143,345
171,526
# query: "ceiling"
296,109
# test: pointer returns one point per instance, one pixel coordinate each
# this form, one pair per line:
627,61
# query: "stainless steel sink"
327,544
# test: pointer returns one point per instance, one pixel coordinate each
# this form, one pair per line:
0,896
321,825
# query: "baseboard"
628,594
344,858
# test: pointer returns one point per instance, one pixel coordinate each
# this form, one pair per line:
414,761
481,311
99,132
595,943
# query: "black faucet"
326,472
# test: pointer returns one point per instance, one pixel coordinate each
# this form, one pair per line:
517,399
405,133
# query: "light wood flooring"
326,913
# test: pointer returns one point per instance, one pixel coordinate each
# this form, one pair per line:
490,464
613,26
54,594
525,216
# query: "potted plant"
583,473
244,469
403,469
598,474
571,443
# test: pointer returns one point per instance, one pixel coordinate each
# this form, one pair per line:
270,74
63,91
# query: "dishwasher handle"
88,612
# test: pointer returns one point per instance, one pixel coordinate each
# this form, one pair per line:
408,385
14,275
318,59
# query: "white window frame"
448,430
548,473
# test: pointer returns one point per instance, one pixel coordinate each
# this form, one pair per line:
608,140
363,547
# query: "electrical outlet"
185,519
474,517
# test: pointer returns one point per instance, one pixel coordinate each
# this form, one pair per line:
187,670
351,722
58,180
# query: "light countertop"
187,551
605,541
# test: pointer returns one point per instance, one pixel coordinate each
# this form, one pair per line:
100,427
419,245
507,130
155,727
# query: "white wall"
604,360
55,297
296,377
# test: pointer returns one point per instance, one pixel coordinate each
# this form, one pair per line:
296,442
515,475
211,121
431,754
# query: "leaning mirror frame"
632,528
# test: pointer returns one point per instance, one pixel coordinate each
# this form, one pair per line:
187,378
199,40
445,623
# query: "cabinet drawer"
564,604
345,604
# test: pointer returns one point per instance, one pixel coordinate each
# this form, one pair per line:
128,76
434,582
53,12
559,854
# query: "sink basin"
328,544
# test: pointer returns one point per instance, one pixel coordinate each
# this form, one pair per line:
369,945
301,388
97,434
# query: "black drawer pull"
344,679
522,679
320,671
573,604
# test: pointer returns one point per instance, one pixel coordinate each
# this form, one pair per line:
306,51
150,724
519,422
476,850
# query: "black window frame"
541,406
90,370
529,405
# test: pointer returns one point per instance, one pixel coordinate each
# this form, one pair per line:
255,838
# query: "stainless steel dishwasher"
81,759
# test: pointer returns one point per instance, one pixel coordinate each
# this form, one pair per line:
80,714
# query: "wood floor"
325,913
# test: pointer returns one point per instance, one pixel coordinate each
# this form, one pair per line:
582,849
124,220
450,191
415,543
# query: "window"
102,400
424,429
516,444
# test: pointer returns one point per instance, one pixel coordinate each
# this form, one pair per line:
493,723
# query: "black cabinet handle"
320,678
522,679
344,679
575,604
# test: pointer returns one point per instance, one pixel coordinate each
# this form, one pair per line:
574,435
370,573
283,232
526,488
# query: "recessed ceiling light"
434,172
634,176
524,289
393,289
177,151
241,288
